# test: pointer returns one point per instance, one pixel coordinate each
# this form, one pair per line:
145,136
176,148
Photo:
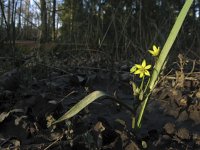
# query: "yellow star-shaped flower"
155,52
142,69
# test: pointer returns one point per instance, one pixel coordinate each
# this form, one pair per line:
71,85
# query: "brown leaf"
3,116
180,78
99,127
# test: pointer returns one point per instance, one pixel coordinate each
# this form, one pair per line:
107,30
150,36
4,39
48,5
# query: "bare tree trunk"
49,20
2,17
43,37
2,39
13,22
54,20
27,12
71,19
19,16
8,13
199,8
5,20
8,22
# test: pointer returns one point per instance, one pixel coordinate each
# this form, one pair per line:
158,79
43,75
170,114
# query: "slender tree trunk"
2,39
43,37
8,13
71,19
199,9
13,22
49,20
54,20
2,17
8,21
19,17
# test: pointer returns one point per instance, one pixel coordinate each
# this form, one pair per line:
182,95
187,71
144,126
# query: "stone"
183,134
169,128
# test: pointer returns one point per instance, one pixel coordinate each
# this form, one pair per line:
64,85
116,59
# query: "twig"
54,142
66,96
186,78
193,66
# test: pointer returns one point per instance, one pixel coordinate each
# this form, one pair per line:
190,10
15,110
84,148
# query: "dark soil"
171,120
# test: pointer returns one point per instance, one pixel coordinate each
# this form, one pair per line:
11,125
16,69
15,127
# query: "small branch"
59,138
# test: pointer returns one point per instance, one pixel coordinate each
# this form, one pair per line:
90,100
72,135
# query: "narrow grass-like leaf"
164,53
96,95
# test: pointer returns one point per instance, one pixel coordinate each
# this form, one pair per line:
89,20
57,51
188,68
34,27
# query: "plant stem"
146,85
141,85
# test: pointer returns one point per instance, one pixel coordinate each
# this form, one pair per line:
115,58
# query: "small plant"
142,70
143,92
159,65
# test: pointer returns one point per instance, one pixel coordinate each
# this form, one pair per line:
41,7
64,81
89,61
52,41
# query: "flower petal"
141,74
133,69
138,66
155,48
151,52
144,63
148,67
147,73
137,71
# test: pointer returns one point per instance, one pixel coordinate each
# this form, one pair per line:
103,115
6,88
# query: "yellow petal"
154,54
138,66
147,73
144,63
154,48
133,69
137,72
151,52
148,67
141,74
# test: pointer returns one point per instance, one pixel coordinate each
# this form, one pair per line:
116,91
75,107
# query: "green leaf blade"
81,105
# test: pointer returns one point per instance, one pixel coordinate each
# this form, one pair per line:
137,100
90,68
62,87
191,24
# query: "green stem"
146,85
142,110
141,85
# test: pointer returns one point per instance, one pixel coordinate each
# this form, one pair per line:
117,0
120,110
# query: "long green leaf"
96,95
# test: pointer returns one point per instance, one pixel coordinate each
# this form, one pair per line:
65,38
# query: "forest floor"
36,92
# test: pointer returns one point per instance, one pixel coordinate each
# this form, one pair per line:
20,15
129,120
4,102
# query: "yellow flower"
142,70
155,52
133,69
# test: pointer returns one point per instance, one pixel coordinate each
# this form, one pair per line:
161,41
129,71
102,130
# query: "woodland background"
123,29
53,53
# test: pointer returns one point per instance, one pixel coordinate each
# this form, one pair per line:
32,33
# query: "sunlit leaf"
96,95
